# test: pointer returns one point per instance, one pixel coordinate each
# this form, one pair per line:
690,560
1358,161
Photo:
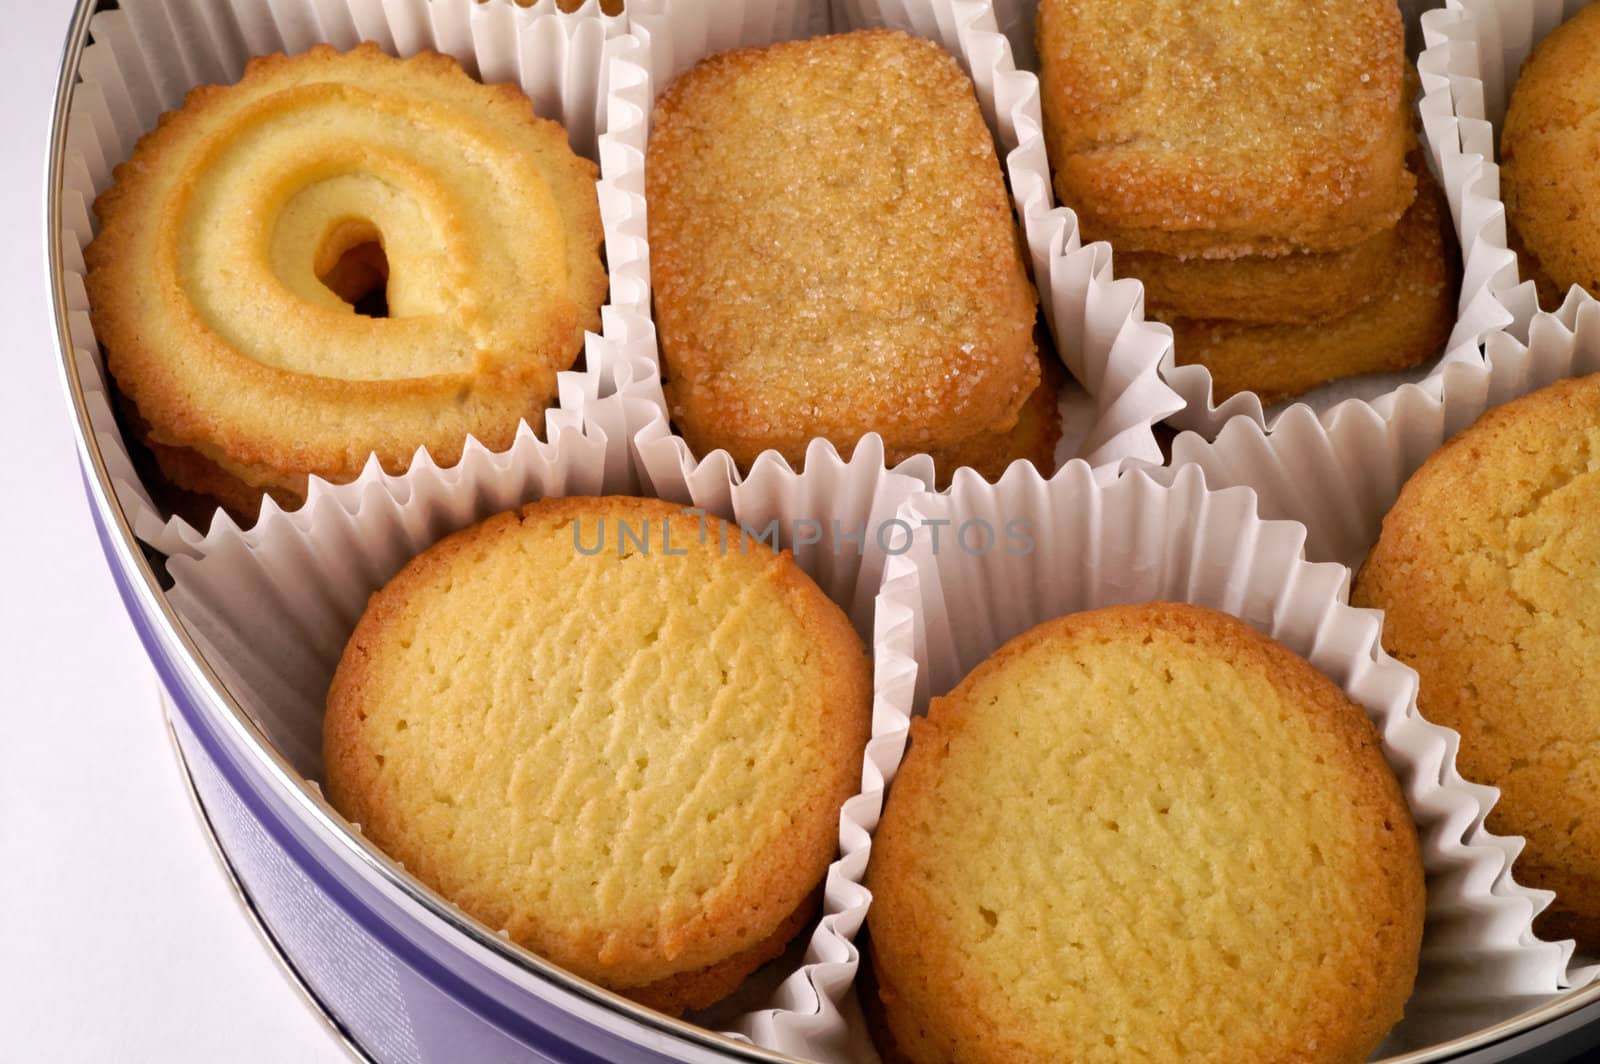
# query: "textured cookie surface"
1407,321
1547,151
1032,439
1211,127
833,251
241,234
1144,833
632,762
1295,289
1487,570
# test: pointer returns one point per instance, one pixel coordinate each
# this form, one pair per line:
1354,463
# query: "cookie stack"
1250,165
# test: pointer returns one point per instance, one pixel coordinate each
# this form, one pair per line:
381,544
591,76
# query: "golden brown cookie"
1406,322
1299,288
607,7
631,759
833,251
1487,571
1144,833
248,242
1549,293
1294,289
1547,153
1033,438
1219,129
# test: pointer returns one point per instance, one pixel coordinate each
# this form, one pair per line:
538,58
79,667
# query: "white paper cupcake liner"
942,611
272,607
147,54
679,33
624,357
1015,19
1341,475
1462,145
1106,421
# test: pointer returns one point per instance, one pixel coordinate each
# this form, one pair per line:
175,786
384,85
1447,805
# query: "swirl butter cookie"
342,255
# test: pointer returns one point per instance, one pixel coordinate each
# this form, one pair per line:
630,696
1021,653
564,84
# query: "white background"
119,937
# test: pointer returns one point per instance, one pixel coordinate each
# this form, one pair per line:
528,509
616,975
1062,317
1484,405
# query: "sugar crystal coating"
1209,127
833,251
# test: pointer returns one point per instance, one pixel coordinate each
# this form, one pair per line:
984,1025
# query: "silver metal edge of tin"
291,971
130,559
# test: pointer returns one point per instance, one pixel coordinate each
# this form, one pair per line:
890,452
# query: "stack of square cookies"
1255,166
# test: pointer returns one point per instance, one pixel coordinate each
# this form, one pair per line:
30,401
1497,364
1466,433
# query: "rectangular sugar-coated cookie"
1033,438
833,251
1405,323
1219,128
1298,288
1295,289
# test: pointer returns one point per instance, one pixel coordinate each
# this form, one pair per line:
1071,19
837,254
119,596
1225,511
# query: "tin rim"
285,964
221,707
224,709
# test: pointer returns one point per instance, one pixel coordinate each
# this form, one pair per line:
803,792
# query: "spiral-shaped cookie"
342,255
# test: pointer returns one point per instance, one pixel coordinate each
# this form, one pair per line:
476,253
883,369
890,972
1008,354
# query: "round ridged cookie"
1547,153
1144,833
1486,571
239,240
631,760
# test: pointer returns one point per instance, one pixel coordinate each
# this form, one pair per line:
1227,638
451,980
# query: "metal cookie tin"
400,973
397,968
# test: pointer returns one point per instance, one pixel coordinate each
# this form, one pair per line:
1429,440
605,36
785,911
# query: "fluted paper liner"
943,611
1341,475
272,608
149,53
1476,49
1089,315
